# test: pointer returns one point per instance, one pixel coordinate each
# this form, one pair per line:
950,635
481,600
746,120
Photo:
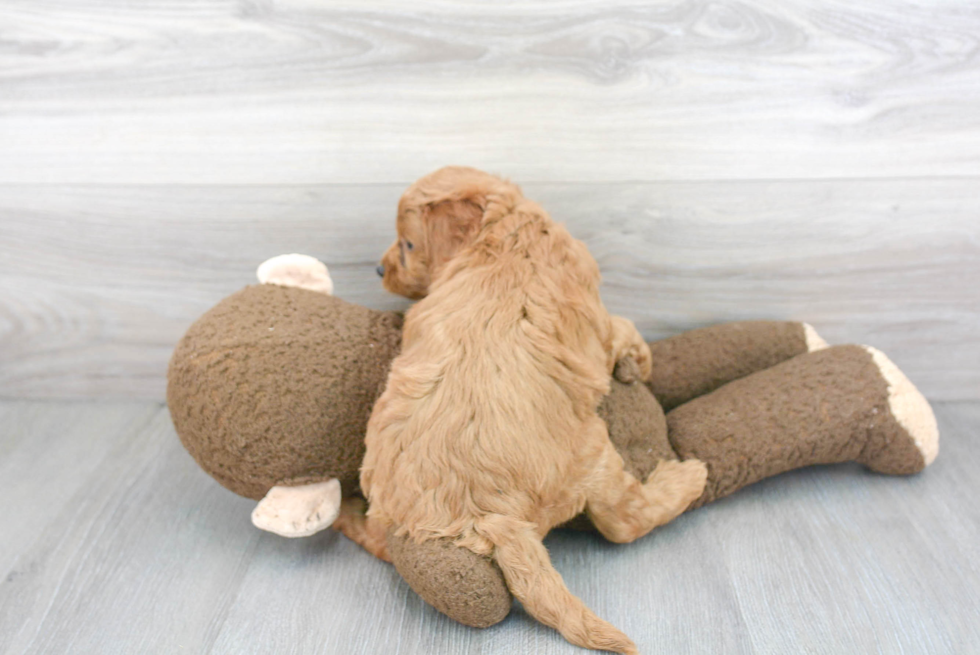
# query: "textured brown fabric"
459,583
274,386
697,362
824,407
637,427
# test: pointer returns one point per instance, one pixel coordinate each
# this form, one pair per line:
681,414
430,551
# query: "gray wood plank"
648,581
48,454
836,559
141,558
98,283
300,92
148,554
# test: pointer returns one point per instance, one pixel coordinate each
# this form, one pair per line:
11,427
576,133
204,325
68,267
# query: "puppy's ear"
450,225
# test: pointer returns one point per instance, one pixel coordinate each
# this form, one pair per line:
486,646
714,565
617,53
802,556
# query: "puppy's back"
500,365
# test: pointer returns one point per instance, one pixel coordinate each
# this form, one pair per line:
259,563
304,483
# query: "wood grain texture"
294,91
785,159
123,563
134,549
97,283
67,445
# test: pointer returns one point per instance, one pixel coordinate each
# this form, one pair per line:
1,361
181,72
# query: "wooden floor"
122,545
814,160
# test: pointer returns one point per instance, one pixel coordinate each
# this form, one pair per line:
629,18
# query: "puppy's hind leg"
623,509
364,531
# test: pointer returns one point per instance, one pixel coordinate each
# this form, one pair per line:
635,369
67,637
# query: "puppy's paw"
628,344
680,482
644,359
627,371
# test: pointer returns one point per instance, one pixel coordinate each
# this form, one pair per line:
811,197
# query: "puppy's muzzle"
380,270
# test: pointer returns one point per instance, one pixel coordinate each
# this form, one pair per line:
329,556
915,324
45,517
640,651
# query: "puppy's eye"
409,245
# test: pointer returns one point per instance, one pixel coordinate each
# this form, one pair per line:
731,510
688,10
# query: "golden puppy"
487,432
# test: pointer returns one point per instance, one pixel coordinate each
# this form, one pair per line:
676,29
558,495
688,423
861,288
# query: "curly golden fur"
487,431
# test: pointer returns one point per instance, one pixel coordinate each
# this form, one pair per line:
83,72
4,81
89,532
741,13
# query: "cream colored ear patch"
298,511
296,270
909,407
813,340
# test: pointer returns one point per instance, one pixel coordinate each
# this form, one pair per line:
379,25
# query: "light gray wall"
801,160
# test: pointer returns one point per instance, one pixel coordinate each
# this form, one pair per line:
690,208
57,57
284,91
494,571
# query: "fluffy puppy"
487,431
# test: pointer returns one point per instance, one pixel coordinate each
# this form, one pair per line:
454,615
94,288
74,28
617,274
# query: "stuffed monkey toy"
270,391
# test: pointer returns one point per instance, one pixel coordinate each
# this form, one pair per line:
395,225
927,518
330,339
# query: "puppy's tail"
535,582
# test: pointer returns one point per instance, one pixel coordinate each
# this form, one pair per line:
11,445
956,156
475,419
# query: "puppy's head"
438,216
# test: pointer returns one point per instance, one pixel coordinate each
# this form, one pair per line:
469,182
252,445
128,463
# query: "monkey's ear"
450,225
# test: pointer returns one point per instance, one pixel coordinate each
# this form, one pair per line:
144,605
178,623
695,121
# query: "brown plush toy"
270,391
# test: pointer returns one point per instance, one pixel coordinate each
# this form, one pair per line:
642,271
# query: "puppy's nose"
380,270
